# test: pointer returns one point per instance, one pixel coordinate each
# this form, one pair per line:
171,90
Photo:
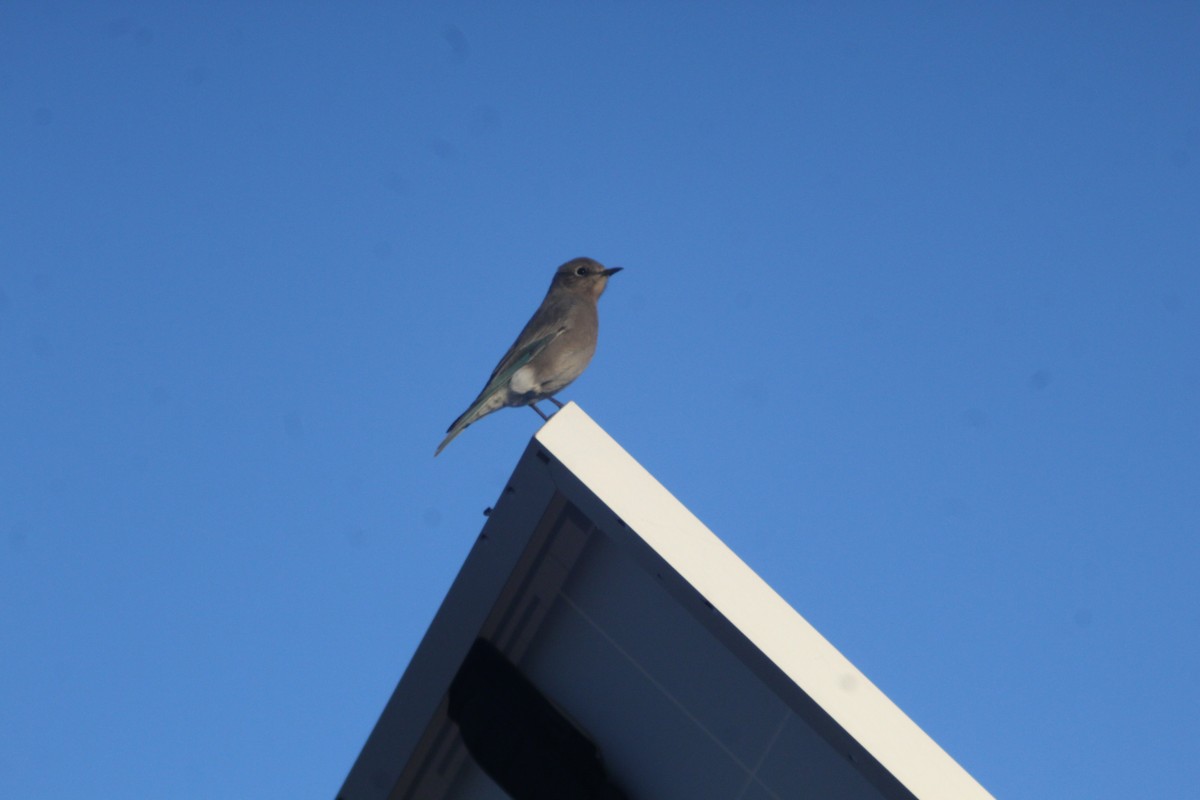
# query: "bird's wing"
516,358
553,318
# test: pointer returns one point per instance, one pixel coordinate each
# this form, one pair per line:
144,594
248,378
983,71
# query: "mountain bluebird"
553,349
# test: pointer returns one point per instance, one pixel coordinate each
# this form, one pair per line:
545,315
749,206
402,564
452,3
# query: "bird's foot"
539,411
554,400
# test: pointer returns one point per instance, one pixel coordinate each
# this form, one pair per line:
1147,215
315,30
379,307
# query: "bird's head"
584,276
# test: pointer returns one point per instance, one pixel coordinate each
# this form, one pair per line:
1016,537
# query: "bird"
552,349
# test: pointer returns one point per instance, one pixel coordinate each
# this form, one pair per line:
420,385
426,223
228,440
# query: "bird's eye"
581,271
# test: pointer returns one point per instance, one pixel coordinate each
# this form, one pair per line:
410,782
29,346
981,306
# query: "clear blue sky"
908,318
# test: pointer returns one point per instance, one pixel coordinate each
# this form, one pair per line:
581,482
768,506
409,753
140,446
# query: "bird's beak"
610,272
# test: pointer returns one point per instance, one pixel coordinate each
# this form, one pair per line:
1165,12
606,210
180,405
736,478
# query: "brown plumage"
552,350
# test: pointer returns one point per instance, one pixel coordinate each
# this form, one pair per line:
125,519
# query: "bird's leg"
539,411
554,400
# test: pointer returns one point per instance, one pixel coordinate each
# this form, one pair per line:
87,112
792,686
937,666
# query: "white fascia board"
590,456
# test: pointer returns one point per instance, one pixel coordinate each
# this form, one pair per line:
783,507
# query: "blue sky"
908,318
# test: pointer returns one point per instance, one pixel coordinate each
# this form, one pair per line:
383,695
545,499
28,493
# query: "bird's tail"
477,410
455,430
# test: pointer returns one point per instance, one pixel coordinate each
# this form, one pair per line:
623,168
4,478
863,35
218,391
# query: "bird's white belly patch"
524,380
